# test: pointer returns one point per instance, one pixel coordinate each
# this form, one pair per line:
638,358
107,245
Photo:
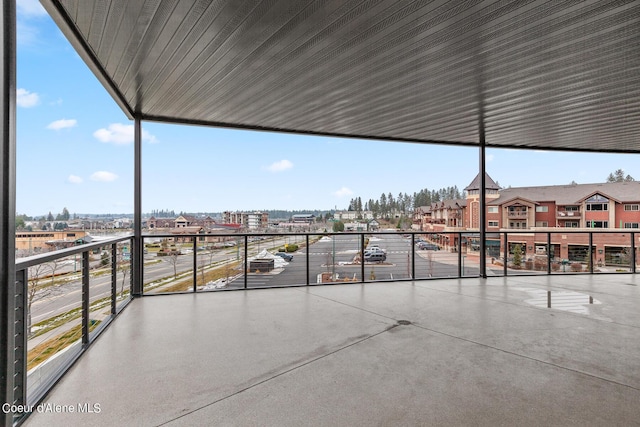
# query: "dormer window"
597,203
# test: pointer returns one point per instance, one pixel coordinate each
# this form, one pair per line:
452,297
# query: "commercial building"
250,220
534,212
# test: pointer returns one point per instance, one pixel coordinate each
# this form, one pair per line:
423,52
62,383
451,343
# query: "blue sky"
75,150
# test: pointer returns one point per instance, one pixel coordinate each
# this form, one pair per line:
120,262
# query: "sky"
75,151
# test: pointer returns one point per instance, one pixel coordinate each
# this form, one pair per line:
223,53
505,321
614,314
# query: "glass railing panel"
54,316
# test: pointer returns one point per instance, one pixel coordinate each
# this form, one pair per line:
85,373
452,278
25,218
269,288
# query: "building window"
633,207
518,224
493,224
542,208
492,209
597,224
598,207
631,225
571,224
542,223
572,208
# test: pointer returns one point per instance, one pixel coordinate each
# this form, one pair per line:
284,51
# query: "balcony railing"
66,298
517,214
568,214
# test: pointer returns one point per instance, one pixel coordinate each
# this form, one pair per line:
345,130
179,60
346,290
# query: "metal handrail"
462,239
32,260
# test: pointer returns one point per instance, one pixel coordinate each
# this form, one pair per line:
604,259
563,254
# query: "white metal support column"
137,250
7,206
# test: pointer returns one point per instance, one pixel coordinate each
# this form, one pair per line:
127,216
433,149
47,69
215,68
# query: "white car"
374,249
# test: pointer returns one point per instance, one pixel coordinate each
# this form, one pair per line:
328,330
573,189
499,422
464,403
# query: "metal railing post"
20,373
633,252
413,256
460,272
548,252
85,298
506,253
591,254
307,251
114,277
195,265
361,256
246,261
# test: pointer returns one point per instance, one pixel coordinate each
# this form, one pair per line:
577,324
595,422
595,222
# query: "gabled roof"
518,199
624,192
598,193
529,74
454,203
187,230
490,184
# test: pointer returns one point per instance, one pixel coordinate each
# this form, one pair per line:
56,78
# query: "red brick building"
528,214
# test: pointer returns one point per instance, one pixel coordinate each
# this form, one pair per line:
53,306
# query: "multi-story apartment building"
250,220
181,221
353,215
538,210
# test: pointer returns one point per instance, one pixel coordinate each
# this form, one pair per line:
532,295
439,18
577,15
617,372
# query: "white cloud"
62,124
280,166
104,176
74,179
121,134
30,8
489,157
343,192
26,99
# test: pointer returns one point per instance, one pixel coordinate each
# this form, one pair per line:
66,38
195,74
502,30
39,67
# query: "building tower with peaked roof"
472,190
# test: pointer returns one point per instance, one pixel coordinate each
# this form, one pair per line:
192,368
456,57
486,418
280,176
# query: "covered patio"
542,75
481,352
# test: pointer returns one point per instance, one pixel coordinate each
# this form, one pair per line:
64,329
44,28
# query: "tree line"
404,203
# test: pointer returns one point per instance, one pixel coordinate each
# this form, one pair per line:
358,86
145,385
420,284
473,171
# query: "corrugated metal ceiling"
538,74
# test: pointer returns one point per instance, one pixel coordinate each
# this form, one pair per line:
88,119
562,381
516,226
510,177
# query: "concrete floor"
431,353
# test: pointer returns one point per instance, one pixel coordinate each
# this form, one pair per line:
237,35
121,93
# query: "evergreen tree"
619,176
517,256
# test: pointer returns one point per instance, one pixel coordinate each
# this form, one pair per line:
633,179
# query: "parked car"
428,246
373,249
287,257
375,257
